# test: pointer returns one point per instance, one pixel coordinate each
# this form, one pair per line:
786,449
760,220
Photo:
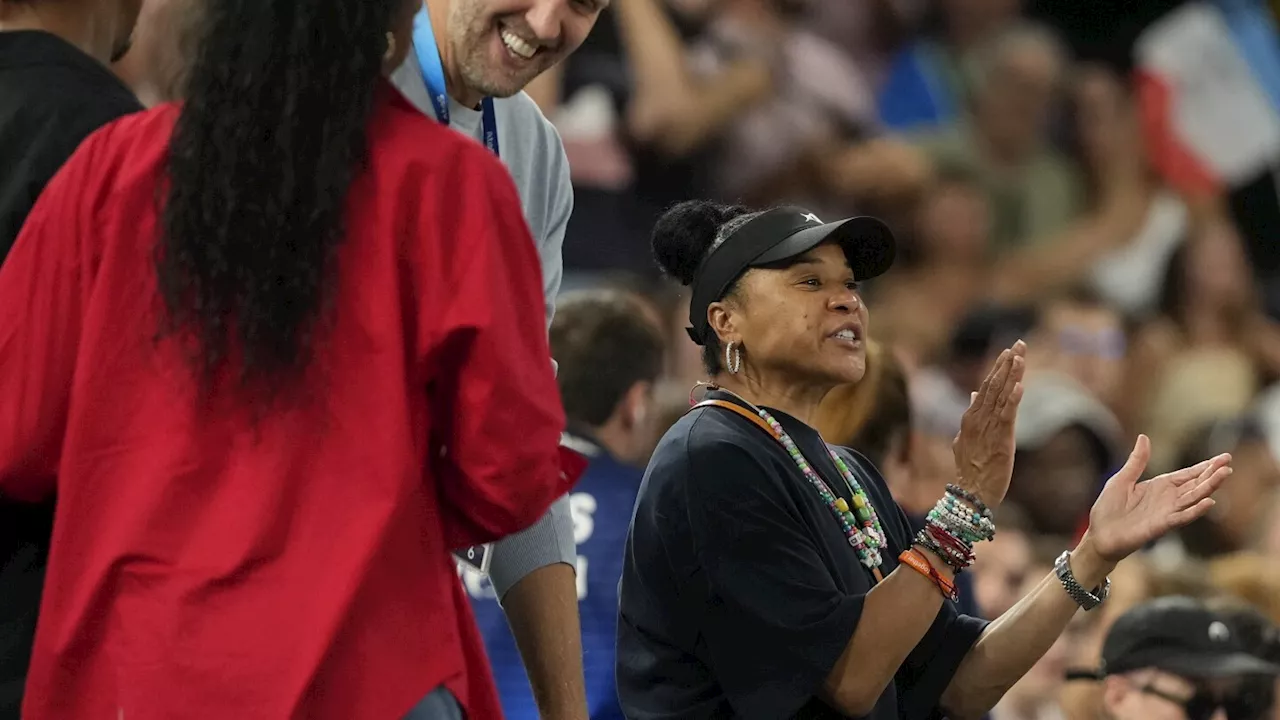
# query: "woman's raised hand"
984,448
1131,512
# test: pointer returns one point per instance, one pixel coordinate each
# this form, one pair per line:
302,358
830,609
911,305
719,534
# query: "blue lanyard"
424,44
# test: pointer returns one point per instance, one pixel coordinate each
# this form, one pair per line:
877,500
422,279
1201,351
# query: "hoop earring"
733,358
391,48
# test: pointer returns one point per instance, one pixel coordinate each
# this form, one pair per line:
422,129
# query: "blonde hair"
1250,577
845,410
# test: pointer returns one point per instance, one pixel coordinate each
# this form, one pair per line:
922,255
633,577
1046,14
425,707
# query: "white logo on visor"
812,218
1218,632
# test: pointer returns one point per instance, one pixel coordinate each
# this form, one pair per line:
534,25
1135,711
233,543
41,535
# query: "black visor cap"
781,234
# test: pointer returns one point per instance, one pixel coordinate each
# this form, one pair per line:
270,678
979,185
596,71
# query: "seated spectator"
640,106
1067,444
1175,658
1001,567
1081,337
940,392
1045,236
943,271
1205,355
1238,518
1128,274
869,33
1034,191
1259,637
924,86
610,355
821,101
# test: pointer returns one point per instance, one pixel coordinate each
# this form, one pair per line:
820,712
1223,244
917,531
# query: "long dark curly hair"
273,132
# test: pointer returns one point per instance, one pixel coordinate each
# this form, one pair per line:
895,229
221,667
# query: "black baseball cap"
781,234
1181,636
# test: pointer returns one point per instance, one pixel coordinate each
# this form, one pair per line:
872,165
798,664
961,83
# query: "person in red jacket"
278,350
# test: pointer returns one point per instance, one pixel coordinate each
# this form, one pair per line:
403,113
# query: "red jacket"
202,570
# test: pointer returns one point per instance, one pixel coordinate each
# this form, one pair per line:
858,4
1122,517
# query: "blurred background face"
1017,95
1057,482
501,45
1000,571
787,319
1216,268
1087,343
973,19
1241,505
954,224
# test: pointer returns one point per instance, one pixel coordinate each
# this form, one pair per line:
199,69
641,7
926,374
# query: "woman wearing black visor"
770,576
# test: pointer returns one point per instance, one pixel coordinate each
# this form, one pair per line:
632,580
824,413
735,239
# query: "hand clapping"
984,448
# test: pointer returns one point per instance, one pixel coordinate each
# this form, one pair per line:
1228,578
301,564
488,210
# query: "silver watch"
1086,599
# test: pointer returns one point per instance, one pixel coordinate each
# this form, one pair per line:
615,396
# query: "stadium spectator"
610,355
1083,338
1175,659
1034,190
1067,443
1239,519
925,84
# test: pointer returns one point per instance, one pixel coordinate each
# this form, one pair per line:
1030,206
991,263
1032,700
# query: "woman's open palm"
1129,513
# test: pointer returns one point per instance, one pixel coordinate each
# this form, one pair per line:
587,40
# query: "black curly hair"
683,237
278,98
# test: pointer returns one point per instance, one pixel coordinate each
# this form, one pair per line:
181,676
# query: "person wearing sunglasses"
1174,658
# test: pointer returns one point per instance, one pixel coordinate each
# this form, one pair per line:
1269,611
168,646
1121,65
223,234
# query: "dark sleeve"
44,284
929,666
775,623
49,144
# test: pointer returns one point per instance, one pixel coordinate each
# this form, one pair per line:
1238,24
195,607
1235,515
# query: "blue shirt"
601,505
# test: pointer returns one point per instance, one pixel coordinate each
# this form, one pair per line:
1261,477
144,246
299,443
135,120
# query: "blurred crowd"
1097,180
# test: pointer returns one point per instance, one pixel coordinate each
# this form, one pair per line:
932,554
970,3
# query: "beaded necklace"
863,530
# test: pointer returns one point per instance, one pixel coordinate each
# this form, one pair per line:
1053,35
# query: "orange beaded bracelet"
916,560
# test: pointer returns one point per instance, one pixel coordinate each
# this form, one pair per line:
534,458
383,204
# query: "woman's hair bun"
685,233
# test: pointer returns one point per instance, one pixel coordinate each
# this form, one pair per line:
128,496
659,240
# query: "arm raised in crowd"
671,110
1111,141
497,452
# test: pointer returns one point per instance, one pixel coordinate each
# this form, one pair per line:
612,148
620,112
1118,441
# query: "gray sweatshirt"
531,149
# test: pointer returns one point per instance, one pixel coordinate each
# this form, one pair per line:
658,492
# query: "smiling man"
469,65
